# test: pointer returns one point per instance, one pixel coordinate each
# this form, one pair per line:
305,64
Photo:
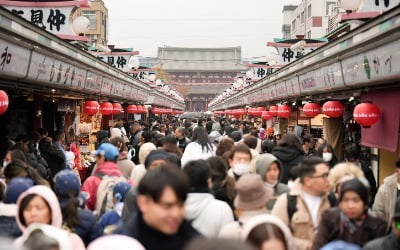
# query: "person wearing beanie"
350,221
251,198
8,207
67,187
270,170
387,195
110,219
106,158
391,241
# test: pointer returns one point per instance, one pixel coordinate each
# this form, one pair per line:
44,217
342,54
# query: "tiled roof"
200,59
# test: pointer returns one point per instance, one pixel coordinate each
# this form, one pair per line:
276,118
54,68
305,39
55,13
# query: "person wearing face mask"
326,152
239,161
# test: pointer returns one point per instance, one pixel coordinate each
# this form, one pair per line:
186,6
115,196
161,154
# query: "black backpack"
292,203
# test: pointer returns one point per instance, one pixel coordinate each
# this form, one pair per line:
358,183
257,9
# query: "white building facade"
311,19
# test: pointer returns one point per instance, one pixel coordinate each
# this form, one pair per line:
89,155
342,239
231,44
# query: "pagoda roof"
181,59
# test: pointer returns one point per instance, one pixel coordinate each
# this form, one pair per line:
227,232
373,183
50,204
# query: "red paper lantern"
273,110
131,109
3,102
311,109
90,107
143,110
117,108
106,108
241,111
366,114
333,109
266,115
258,111
284,111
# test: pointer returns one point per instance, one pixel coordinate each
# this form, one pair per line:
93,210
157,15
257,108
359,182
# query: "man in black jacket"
159,223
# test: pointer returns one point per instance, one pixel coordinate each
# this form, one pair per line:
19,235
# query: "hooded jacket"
92,183
208,215
386,198
263,164
270,219
289,157
56,216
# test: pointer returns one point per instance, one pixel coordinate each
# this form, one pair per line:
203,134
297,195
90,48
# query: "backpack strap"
100,174
332,199
291,205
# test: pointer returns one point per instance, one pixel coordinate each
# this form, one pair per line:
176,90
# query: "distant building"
200,73
287,13
311,19
97,14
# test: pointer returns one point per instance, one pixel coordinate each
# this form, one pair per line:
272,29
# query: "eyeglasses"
324,176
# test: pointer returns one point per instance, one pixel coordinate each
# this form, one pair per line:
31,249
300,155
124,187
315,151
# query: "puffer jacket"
56,216
8,224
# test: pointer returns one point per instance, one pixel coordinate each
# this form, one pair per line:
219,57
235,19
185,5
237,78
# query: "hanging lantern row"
366,114
162,111
108,108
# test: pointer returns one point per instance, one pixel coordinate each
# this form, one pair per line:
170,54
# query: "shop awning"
383,134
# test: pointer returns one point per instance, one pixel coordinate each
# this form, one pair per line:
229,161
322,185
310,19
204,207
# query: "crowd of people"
195,184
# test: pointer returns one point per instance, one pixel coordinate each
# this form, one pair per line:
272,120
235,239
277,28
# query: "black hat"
358,185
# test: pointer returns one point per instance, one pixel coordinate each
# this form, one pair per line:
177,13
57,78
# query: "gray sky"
148,24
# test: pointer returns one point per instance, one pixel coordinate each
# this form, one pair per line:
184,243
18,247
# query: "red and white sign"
366,114
333,109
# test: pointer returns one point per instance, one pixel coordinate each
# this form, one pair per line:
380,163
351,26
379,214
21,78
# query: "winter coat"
386,198
8,223
88,228
331,228
289,157
54,157
234,229
40,164
270,219
194,151
389,242
207,214
301,223
152,239
263,164
137,173
56,216
91,184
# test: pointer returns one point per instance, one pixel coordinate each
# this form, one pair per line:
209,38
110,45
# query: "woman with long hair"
325,151
199,148
19,168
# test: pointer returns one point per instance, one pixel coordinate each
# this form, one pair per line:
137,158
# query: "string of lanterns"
365,114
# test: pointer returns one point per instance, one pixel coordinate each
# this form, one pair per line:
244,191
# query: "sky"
146,25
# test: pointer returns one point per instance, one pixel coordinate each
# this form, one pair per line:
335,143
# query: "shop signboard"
118,89
52,19
93,82
374,65
14,60
107,86
322,79
280,89
78,79
292,86
48,70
